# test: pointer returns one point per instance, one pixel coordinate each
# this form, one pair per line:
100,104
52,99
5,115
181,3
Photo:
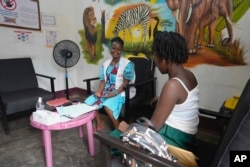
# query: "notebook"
57,102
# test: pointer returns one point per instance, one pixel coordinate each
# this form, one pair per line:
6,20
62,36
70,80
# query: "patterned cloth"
113,103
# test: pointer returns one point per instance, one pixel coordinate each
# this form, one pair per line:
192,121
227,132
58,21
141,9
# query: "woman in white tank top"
176,114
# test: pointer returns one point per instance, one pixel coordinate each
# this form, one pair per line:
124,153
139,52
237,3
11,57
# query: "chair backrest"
237,133
17,74
144,70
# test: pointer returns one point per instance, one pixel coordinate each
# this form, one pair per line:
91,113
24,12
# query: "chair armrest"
214,114
141,83
107,141
126,88
88,82
52,85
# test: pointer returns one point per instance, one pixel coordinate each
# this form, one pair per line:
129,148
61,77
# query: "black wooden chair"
235,138
144,84
19,88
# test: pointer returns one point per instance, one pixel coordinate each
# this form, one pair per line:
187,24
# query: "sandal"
99,128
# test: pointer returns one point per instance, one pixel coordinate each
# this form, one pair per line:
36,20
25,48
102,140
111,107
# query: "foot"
99,126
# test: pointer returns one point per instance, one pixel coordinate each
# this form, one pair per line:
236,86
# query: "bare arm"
120,89
124,84
172,93
100,89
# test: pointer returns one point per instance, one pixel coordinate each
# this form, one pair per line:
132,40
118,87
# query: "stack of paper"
74,111
46,117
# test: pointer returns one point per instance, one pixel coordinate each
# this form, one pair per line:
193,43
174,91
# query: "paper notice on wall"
51,38
48,20
23,36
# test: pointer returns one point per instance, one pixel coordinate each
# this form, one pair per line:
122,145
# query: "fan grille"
66,53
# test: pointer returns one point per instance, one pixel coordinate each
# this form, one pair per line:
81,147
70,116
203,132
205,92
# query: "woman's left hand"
123,126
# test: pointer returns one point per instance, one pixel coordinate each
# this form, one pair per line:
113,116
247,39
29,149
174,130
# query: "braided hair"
170,46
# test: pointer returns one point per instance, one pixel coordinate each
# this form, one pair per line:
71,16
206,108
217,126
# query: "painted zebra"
132,17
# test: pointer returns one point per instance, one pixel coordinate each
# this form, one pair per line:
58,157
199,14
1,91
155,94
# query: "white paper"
76,110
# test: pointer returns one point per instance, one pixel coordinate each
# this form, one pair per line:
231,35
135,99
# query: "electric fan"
66,54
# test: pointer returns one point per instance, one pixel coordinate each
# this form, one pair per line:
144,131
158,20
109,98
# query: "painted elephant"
191,15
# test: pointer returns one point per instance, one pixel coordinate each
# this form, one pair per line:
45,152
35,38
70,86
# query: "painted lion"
89,22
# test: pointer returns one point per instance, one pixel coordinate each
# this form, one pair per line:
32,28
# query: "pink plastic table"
76,122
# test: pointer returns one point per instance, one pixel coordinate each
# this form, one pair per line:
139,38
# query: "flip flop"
99,128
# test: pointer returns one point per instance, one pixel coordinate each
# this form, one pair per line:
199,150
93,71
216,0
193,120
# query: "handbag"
147,138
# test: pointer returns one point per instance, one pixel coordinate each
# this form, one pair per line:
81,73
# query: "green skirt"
177,138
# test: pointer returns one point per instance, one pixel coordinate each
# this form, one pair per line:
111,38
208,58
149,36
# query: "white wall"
36,49
216,83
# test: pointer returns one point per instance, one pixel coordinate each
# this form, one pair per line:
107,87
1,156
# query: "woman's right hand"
98,94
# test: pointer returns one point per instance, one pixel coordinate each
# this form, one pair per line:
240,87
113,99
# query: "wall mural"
136,21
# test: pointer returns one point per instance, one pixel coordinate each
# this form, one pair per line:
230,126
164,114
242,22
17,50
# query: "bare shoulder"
172,83
189,79
191,76
171,88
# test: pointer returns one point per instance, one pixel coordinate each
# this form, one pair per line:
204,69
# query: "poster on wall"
51,38
21,36
20,14
207,30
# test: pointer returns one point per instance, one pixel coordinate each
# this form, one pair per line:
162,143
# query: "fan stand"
66,54
66,81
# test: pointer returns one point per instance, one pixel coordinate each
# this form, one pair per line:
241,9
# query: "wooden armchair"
107,141
235,138
19,88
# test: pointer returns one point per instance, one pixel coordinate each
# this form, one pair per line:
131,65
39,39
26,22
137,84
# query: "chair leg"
105,151
5,124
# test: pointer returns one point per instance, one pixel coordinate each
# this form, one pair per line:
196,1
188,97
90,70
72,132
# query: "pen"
67,116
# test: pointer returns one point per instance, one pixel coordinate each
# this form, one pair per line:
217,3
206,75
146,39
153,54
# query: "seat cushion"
22,100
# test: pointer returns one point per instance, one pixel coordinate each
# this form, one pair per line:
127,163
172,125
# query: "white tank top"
185,116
